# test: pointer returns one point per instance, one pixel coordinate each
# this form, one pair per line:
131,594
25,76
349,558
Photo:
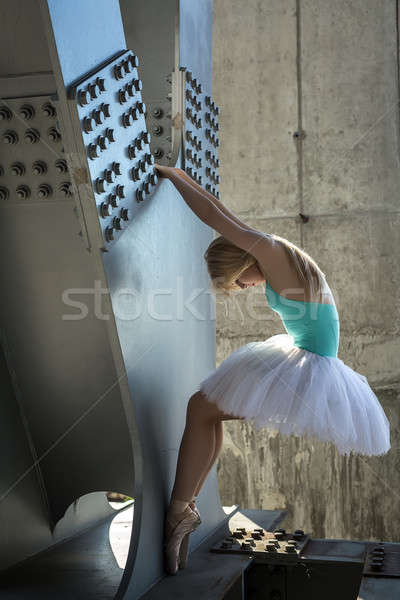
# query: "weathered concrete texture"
345,176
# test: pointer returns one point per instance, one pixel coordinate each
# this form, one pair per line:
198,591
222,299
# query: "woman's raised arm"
213,199
206,209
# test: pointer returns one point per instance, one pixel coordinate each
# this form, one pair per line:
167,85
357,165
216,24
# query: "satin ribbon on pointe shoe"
183,551
173,536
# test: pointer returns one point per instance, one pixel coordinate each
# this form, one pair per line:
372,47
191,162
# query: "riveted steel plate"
277,545
200,133
111,113
33,167
382,560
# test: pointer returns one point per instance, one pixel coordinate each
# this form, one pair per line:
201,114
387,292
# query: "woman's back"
284,279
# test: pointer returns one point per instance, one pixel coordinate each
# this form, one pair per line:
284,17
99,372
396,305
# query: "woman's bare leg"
219,436
199,446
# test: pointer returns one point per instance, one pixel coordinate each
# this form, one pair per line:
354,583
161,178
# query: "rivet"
53,134
93,150
101,83
139,143
31,136
105,210
122,96
88,124
104,142
131,151
149,158
3,193
128,66
146,137
44,190
118,223
139,194
113,200
298,533
147,186
157,113
83,97
109,176
10,137
27,111
158,152
100,185
61,165
39,167
133,59
65,188
110,134
130,88
5,113
134,113
120,191
127,119
116,167
23,192
98,116
153,178
119,71
109,233
17,168
105,108
135,173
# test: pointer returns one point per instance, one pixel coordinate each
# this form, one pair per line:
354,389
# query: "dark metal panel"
150,28
23,47
195,39
85,34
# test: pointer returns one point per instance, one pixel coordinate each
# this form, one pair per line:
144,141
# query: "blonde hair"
226,262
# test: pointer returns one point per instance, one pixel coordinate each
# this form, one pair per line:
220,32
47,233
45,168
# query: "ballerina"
291,382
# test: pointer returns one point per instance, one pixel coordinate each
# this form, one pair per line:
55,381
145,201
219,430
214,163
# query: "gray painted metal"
177,83
97,402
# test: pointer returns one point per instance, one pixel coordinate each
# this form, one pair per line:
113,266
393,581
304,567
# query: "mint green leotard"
314,326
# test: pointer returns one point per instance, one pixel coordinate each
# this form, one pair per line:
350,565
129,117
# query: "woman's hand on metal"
163,170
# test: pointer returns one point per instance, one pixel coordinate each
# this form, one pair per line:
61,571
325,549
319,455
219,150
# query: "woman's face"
251,276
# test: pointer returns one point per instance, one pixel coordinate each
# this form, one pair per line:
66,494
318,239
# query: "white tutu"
282,387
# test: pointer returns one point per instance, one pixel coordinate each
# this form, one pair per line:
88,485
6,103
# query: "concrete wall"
328,71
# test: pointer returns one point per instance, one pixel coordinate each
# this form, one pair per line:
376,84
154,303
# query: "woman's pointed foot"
176,528
183,551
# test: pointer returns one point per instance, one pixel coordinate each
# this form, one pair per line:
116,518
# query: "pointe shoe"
173,536
183,551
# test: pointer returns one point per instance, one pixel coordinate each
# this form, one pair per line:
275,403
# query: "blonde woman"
292,382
